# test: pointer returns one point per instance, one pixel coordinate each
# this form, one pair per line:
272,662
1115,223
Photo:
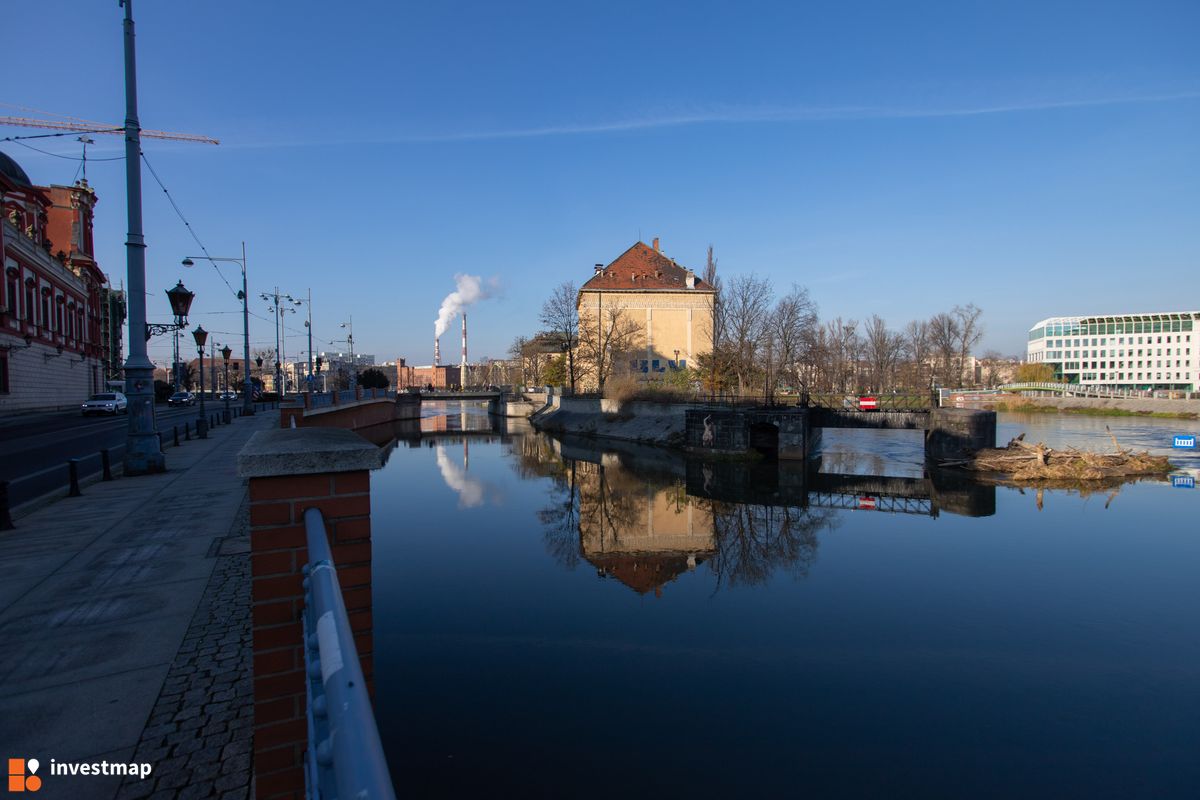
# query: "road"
32,445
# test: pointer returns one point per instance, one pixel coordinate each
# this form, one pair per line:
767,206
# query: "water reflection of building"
643,534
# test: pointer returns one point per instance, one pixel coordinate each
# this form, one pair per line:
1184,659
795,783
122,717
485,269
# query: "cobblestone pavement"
200,733
101,598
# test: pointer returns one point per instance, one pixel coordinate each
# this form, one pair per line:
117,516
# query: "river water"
561,619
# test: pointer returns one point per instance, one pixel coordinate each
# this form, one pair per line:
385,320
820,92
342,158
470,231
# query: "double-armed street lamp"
278,309
350,342
247,393
226,351
308,326
201,336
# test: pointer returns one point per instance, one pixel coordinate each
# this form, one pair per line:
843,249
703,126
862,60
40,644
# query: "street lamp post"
201,336
247,392
350,343
226,351
181,302
143,455
308,327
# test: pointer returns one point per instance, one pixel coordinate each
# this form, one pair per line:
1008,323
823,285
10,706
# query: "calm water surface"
557,619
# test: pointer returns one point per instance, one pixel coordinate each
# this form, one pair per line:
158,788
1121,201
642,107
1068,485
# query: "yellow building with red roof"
671,307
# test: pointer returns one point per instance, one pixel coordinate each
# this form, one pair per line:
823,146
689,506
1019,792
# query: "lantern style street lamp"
226,351
201,336
181,302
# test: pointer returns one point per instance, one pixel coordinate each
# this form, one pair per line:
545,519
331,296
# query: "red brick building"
50,297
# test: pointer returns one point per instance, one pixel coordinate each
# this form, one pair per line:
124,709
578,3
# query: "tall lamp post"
201,336
247,391
226,352
350,343
143,455
278,310
308,326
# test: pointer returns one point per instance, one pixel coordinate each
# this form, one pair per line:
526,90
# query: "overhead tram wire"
186,224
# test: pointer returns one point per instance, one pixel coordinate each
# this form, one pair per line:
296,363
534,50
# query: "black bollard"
6,523
106,464
175,433
73,472
160,441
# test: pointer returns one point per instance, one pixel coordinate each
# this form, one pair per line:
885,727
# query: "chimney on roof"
656,244
690,281
599,268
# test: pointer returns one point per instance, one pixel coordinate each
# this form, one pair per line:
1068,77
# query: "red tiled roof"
643,268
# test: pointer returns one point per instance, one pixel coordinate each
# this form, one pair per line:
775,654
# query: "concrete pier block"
956,433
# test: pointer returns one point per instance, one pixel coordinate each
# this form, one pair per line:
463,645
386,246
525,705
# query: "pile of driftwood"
1021,461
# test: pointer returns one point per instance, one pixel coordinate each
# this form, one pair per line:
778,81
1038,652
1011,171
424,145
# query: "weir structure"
794,433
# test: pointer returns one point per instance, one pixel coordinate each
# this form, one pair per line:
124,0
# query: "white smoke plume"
470,491
469,289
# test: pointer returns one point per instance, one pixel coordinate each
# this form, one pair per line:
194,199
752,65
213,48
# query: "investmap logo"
23,772
22,775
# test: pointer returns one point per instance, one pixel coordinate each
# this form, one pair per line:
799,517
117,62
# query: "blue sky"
1034,158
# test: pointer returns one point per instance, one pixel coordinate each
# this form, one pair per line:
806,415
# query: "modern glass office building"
1127,351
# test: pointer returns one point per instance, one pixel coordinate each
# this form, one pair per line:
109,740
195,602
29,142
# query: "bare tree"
944,341
516,352
916,346
969,332
710,268
606,342
884,348
560,315
841,352
747,307
793,323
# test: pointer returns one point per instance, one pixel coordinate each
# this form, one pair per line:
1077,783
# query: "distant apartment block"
1128,351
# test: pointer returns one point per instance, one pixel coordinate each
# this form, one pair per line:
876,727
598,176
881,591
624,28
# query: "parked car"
106,403
228,394
182,399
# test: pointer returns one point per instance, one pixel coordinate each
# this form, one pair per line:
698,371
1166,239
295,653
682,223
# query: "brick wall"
278,554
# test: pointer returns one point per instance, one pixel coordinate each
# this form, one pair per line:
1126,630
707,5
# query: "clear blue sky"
1035,158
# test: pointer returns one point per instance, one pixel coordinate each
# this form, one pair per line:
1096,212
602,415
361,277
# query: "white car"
106,403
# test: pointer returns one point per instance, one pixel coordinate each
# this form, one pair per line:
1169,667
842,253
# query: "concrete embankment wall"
648,423
1145,405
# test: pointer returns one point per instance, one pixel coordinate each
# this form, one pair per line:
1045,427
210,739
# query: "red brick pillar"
290,471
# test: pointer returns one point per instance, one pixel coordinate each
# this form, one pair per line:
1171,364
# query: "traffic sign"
1187,442
1183,482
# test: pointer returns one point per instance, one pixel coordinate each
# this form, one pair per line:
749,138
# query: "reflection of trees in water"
599,512
753,541
560,518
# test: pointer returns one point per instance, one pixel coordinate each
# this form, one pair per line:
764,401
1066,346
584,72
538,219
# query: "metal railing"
1087,390
344,758
104,463
326,399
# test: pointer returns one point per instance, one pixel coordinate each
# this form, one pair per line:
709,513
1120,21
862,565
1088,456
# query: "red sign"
868,404
866,503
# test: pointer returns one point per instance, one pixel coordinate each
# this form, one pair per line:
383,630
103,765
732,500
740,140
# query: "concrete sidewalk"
97,595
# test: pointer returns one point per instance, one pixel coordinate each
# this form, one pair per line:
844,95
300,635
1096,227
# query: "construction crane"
76,125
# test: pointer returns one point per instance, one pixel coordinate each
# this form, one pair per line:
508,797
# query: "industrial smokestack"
463,377
437,351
